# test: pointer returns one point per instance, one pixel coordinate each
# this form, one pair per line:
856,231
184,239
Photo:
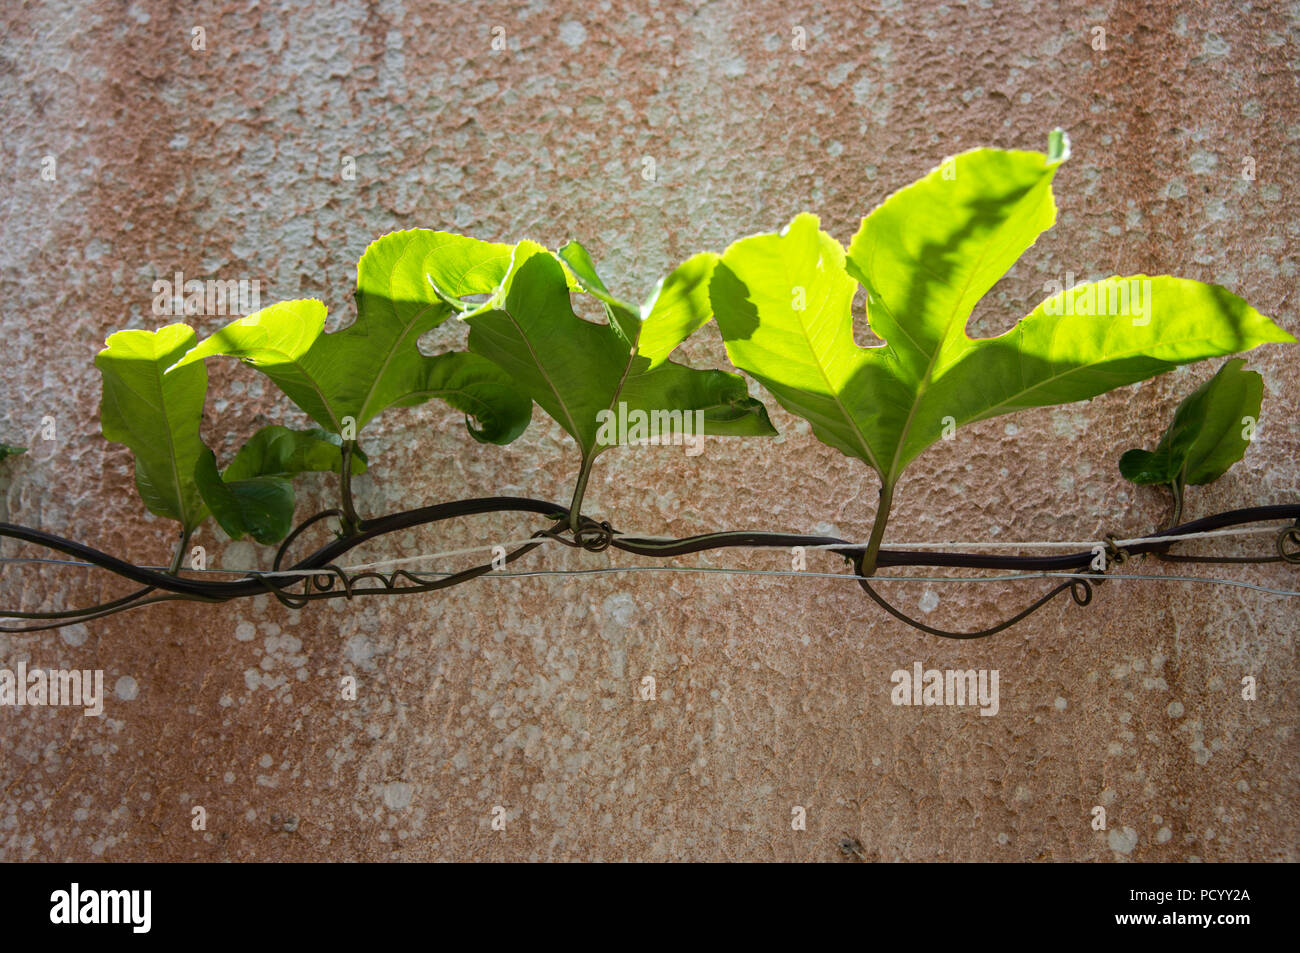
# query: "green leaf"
277,340
579,372
156,412
926,256
1207,433
8,450
261,506
677,309
375,364
623,317
279,451
254,494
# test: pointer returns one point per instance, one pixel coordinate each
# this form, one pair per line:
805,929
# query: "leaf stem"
575,507
878,529
1176,487
351,522
178,559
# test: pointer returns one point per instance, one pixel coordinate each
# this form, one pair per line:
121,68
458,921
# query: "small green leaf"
1208,433
1058,147
375,364
279,451
8,450
679,307
254,494
156,412
278,341
261,506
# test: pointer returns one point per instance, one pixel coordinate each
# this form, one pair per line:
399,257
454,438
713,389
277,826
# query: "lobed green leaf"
926,256
579,371
375,364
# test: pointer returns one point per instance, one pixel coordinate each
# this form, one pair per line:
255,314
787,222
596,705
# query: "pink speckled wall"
522,693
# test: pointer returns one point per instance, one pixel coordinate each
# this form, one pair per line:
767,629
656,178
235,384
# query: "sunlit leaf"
579,372
926,256
156,412
374,363
624,317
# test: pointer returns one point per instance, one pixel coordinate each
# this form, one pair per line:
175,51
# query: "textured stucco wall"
520,693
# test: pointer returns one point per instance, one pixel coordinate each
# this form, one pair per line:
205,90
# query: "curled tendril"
324,581
1289,534
594,537
1115,554
591,536
282,595
556,533
298,530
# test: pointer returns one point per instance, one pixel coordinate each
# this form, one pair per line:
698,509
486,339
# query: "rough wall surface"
521,693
